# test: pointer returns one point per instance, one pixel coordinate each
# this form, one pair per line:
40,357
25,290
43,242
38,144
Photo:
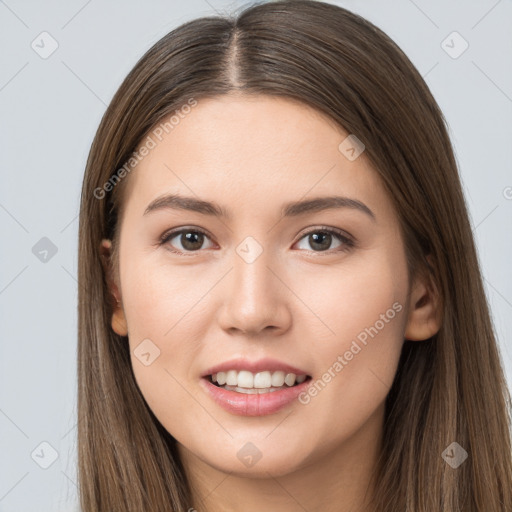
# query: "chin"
260,470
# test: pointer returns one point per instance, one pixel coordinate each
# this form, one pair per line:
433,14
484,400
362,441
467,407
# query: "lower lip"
253,405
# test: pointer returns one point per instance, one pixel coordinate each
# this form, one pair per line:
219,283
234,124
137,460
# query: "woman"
280,302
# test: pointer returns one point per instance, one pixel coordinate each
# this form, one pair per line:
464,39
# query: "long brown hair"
450,388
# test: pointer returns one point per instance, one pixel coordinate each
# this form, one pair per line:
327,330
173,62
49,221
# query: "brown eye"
187,240
321,240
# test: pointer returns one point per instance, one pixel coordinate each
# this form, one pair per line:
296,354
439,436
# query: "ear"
118,322
424,318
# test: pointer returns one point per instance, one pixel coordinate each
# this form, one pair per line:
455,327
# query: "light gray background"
50,109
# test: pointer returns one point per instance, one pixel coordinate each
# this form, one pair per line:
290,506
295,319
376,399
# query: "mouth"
248,387
268,393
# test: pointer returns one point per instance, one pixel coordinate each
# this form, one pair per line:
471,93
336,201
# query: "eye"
320,239
190,240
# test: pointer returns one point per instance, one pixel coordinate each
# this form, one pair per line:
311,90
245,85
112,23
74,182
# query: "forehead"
243,150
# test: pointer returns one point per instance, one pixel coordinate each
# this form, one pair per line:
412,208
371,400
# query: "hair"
449,388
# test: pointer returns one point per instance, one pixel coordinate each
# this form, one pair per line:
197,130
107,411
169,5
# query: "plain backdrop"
50,108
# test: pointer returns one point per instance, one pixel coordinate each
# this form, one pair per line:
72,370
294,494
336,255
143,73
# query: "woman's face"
261,279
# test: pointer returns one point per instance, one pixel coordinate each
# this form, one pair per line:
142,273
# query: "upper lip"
260,365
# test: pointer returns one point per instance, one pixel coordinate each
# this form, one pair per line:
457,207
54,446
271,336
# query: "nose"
255,297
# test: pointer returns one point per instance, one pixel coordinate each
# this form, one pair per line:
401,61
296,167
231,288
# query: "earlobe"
424,320
118,322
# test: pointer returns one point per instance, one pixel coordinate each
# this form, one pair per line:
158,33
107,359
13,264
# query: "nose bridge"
251,273
254,298
251,264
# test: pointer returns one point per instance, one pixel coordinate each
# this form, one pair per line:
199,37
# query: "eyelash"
348,243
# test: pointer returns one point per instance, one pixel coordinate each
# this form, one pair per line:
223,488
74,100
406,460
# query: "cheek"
160,299
164,336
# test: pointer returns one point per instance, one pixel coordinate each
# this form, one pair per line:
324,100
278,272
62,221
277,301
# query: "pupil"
324,236
188,240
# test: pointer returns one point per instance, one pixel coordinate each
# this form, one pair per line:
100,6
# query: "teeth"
277,379
261,380
251,391
289,380
245,379
231,378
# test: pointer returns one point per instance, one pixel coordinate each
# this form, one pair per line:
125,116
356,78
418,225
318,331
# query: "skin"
295,302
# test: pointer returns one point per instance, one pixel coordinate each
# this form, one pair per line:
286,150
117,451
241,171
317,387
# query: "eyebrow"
292,209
